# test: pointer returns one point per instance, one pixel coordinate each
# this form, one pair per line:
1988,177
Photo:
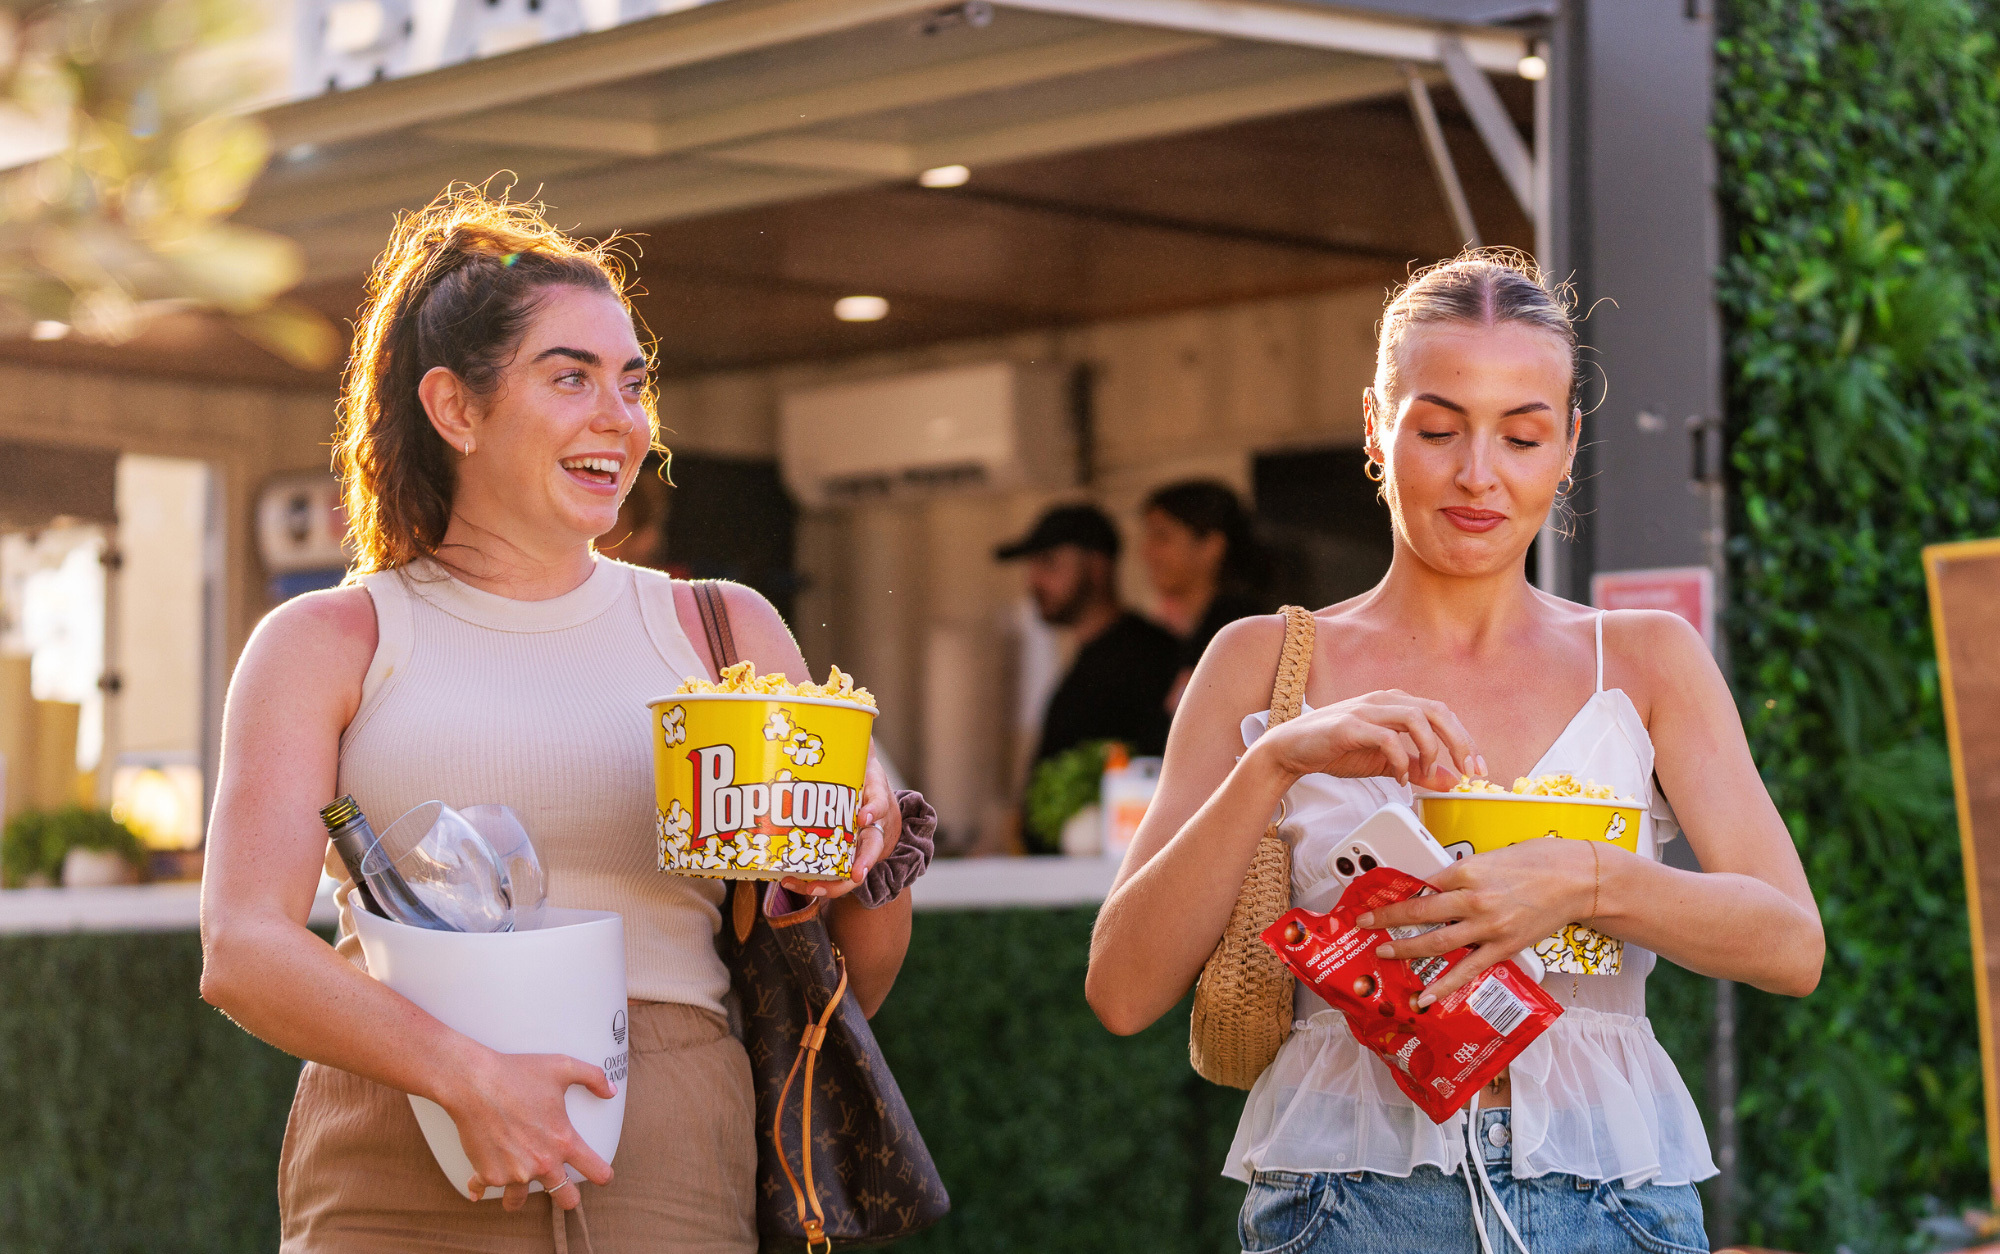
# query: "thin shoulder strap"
715,622
1288,694
1600,650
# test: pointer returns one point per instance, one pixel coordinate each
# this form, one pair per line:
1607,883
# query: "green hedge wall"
1858,148
134,1118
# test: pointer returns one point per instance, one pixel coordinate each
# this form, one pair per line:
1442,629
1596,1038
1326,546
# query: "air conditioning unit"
998,425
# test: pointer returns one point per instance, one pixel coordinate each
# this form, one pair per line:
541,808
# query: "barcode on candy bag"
1496,1003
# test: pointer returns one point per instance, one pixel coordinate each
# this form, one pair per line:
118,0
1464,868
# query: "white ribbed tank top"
474,698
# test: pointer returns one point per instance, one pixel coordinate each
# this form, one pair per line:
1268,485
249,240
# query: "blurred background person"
1205,565
1116,687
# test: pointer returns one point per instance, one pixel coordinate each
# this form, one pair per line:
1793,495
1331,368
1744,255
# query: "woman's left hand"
878,826
1499,903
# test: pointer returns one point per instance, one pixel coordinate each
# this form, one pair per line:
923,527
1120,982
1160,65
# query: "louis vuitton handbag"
839,1157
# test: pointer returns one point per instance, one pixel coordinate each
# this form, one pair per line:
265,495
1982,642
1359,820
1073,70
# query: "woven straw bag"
1243,1000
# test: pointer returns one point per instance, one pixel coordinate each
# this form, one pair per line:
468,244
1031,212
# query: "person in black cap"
1117,687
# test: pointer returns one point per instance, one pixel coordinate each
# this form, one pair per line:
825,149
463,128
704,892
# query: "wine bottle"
382,888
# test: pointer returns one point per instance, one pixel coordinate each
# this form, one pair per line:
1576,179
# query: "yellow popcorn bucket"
752,786
1469,823
1482,822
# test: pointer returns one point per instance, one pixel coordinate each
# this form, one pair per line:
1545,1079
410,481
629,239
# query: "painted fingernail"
1426,1000
819,890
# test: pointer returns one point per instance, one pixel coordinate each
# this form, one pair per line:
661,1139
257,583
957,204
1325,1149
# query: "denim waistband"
1495,1137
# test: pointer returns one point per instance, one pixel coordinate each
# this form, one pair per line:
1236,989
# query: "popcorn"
742,678
673,725
805,749
1560,784
799,852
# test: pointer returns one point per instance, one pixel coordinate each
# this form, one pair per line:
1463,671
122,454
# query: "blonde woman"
498,405
1455,665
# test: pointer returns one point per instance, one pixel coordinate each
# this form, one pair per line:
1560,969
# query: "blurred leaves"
1858,154
143,104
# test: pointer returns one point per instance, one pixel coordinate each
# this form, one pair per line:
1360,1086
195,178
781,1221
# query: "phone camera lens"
1368,863
1345,866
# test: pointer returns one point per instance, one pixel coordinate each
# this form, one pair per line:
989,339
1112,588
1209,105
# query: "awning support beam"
1440,155
1490,119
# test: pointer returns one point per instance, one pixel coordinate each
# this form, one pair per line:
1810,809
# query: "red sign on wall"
1685,590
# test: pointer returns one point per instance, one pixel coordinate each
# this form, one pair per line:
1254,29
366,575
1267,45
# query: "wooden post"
1964,581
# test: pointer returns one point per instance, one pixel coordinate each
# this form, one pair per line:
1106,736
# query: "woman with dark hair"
1204,562
498,404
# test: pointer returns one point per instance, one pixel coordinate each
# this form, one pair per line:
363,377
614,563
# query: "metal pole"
1440,155
1706,431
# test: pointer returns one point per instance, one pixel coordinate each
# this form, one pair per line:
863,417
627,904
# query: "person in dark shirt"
1205,565
1117,687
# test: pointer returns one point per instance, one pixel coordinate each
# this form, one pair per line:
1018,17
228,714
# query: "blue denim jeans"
1296,1212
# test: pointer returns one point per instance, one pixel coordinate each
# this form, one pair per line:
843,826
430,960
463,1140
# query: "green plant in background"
140,107
1061,786
1858,149
35,842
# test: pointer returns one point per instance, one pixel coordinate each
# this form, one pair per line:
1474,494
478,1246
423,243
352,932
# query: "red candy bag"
1439,1055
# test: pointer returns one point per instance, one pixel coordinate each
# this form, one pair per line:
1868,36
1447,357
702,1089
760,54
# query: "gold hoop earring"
1566,486
468,449
1375,471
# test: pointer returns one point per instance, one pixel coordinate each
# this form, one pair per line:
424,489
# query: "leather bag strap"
813,1037
715,623
722,648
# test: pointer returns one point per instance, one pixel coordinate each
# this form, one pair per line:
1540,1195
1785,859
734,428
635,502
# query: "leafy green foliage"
1858,149
137,1120
143,104
1051,1133
1059,788
35,841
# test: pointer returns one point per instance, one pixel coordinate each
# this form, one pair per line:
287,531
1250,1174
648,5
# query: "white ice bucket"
559,989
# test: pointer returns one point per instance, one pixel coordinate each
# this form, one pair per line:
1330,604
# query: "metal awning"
740,103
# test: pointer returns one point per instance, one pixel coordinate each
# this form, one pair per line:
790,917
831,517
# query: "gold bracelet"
1596,880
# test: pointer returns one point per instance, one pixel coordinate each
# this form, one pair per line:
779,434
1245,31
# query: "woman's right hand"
515,1129
1382,733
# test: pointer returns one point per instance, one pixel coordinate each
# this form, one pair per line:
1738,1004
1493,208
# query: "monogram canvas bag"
839,1157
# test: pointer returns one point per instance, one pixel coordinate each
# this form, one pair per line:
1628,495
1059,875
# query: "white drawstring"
1475,1160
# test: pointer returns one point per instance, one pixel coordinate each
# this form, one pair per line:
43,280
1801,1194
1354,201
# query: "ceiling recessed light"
1532,68
48,329
945,176
861,309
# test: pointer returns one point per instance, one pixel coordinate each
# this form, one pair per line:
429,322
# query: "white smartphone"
1393,837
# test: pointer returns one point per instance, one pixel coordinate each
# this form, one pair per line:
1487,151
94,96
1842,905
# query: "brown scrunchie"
908,860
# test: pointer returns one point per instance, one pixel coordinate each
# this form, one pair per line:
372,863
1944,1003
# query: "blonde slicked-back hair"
455,287
1481,287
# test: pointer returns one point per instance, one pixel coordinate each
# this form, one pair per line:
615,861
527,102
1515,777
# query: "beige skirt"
356,1176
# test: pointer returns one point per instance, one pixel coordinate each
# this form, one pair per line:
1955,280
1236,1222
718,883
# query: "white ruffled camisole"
1595,1096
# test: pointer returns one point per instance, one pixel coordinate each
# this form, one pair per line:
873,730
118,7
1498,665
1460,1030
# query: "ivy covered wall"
1858,152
